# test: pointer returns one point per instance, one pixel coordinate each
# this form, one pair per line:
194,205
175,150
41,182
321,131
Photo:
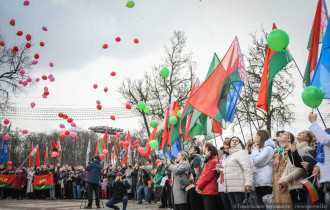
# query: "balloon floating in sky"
95,86
141,105
22,71
51,64
153,144
15,48
120,143
62,126
19,33
26,3
62,135
70,120
153,123
27,45
37,79
33,105
20,82
25,83
44,28
65,116
147,109
36,56
165,72
28,37
105,89
113,73
98,102
128,106
42,44
60,114
180,113
118,135
6,121
24,131
105,46
99,107
136,41
112,117
29,79
2,43
130,4
73,125
312,96
12,22
44,77
54,154
118,39
6,137
67,132
278,40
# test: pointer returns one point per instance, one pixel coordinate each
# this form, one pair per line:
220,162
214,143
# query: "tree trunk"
146,122
269,124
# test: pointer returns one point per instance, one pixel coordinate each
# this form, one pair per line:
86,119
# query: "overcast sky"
77,29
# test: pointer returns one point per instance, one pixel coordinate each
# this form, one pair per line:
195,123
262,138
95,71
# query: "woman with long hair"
207,182
238,172
20,183
179,172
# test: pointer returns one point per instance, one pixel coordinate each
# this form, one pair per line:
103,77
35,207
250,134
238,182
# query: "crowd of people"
268,174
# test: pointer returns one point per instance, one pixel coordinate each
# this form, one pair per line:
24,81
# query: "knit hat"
119,174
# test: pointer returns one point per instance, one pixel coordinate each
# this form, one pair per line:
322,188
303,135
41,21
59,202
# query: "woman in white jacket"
262,156
238,172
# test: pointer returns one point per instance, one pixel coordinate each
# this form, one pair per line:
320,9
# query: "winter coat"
238,172
129,180
179,171
134,176
223,161
263,164
143,177
104,185
119,189
207,182
195,164
29,188
112,176
324,139
20,181
94,174
159,176
292,176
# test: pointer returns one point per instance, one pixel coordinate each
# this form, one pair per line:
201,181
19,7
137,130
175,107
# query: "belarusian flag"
96,148
211,98
311,190
46,161
274,62
55,148
152,136
128,138
316,37
174,129
59,149
190,187
150,182
104,140
42,182
31,157
165,132
35,155
125,156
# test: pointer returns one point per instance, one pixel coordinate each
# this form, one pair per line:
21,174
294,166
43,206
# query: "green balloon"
312,96
141,105
153,144
278,40
180,113
173,120
130,4
153,123
147,109
165,72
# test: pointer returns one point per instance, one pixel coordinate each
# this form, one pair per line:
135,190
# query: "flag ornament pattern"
42,182
311,190
7,181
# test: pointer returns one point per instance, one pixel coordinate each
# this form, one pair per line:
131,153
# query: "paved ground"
64,204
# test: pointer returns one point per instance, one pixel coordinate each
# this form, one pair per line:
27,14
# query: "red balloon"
70,120
136,141
65,116
136,146
112,117
36,56
105,89
118,135
54,154
95,86
126,143
13,51
12,22
158,161
46,93
105,151
15,48
27,45
105,46
141,150
9,163
62,135
120,143
102,156
113,74
2,43
136,41
19,33
28,37
128,106
67,133
99,107
42,44
6,121
44,77
118,39
60,114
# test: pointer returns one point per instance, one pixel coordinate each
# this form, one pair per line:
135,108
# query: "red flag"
31,157
216,127
114,139
174,129
96,148
59,149
37,157
104,140
46,161
42,182
114,154
165,133
125,156
128,138
152,137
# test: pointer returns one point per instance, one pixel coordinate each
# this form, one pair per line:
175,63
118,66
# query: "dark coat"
119,189
94,174
134,176
143,177
20,180
195,162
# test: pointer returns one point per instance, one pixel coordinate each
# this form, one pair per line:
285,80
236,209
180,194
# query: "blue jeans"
79,190
147,193
74,192
113,201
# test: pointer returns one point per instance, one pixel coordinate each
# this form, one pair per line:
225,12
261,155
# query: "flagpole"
24,161
303,79
255,109
239,122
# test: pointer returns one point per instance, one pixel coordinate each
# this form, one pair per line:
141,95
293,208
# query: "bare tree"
283,86
10,66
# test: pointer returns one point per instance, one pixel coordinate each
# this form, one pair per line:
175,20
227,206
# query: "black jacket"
134,176
143,177
119,189
94,175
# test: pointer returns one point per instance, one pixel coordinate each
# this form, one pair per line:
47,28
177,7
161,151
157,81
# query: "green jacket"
158,178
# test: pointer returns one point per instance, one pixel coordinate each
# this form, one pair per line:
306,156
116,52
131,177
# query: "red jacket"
20,180
207,182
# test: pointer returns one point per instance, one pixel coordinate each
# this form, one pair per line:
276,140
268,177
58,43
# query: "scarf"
280,150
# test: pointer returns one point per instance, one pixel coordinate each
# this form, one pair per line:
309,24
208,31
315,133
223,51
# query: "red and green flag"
59,149
55,149
152,136
31,157
174,129
42,182
150,182
35,155
129,138
96,148
104,140
125,156
274,62
316,37
46,161
190,187
165,137
311,190
7,181
211,99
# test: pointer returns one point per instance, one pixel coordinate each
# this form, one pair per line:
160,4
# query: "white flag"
88,150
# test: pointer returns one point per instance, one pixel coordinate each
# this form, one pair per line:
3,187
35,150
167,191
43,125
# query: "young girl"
104,188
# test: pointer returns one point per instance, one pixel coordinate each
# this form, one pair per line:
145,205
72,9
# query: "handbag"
252,201
184,183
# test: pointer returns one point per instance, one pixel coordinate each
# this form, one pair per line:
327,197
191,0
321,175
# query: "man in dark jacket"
143,178
93,181
134,180
119,187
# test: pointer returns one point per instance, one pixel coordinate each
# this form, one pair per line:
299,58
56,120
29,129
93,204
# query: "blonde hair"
184,155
